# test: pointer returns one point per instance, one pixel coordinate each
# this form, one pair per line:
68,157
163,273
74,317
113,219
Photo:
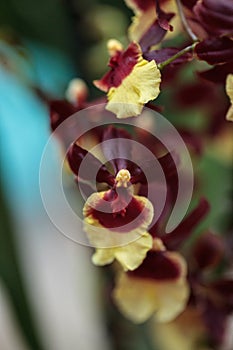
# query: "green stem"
185,22
177,55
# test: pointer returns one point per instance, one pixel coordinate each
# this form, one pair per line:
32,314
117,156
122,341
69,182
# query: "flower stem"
177,55
185,22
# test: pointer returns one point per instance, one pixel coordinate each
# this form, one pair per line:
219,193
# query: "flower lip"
119,212
115,205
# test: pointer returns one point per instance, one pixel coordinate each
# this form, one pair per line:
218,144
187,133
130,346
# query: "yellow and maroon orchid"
157,287
116,212
112,213
131,82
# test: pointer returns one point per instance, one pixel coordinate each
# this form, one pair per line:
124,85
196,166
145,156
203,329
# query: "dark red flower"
60,110
208,251
189,3
215,50
216,17
211,293
175,239
210,17
218,73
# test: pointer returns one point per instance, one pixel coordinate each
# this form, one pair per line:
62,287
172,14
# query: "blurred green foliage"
44,20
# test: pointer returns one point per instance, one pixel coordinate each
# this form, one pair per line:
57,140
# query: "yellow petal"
173,295
229,91
138,88
135,298
183,333
103,256
129,256
229,115
229,86
139,298
172,299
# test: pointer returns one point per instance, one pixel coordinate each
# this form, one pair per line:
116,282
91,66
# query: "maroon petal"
164,54
120,152
215,319
154,34
216,17
215,50
75,157
137,174
157,30
172,183
208,250
159,266
167,163
176,238
163,17
60,110
193,94
143,5
224,289
157,230
189,3
121,65
218,73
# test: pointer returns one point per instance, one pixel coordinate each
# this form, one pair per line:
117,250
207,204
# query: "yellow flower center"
122,178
